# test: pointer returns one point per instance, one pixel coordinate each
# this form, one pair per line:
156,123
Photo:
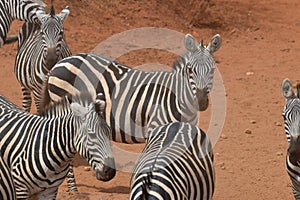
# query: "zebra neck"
185,96
5,24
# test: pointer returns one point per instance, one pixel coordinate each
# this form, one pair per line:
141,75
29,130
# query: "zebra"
7,187
176,163
139,101
40,47
17,9
38,148
291,115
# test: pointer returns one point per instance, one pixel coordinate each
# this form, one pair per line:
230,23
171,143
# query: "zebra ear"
78,110
100,103
189,43
64,13
41,15
214,44
40,2
287,89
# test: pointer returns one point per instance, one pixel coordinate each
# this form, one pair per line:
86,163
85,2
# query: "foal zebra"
176,163
139,100
40,47
17,9
291,115
39,148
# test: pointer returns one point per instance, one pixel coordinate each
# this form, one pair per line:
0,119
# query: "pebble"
279,153
248,131
252,121
249,73
87,169
224,136
278,124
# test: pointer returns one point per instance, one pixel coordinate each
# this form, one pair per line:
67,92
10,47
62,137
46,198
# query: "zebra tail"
146,185
45,100
11,39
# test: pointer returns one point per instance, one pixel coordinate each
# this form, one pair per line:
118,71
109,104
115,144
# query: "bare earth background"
261,47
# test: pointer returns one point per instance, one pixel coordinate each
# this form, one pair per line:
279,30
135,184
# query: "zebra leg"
37,100
26,102
71,180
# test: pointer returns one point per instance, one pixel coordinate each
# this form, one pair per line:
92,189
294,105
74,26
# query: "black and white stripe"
7,187
17,9
39,148
291,115
140,101
176,163
40,47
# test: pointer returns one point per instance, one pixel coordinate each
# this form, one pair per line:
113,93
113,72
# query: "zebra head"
52,33
291,115
92,141
200,67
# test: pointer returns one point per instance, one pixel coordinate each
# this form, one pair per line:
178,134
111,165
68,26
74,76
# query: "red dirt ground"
261,37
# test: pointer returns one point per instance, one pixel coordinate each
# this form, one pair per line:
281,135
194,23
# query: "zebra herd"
85,100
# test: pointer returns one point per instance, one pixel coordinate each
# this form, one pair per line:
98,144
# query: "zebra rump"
176,163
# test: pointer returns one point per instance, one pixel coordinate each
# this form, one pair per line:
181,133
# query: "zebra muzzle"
52,57
202,98
294,149
108,171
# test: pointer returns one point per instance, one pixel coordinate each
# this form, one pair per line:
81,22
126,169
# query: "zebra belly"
28,179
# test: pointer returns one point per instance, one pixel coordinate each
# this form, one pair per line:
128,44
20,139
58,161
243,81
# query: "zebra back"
176,163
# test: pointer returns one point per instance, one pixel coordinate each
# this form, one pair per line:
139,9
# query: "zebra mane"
185,58
52,11
298,90
63,105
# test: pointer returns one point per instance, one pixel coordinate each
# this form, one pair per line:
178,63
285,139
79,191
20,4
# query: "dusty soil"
260,37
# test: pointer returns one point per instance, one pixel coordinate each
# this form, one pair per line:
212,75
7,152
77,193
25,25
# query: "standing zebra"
291,115
39,148
140,101
176,163
40,47
17,9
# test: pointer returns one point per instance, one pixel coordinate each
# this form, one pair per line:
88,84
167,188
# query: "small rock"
248,131
233,31
279,153
87,169
278,124
249,73
252,121
224,136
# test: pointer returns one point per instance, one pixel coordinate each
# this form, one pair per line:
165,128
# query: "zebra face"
52,32
291,115
201,67
92,140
